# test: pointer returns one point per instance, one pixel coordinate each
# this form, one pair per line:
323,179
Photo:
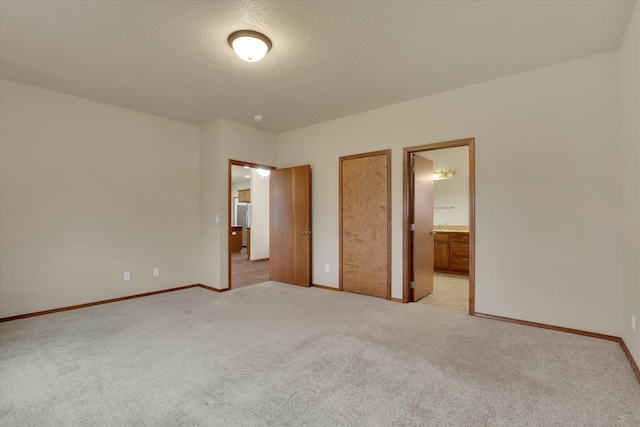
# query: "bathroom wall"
259,216
451,201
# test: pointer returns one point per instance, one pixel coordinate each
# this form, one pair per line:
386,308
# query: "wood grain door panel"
290,225
423,257
364,218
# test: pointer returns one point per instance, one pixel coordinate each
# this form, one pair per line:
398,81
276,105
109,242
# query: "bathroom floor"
449,291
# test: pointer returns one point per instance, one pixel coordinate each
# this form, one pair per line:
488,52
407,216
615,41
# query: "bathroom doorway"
439,250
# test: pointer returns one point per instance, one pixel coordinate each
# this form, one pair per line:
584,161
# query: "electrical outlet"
127,275
156,272
326,268
633,322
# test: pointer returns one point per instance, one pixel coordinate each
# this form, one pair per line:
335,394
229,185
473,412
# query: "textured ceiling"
329,58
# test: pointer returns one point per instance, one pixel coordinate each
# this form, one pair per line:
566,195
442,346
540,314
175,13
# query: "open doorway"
248,208
439,225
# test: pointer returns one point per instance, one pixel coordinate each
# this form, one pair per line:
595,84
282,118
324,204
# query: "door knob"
433,232
305,232
346,232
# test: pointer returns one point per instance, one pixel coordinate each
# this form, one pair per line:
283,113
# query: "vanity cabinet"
441,251
451,252
459,253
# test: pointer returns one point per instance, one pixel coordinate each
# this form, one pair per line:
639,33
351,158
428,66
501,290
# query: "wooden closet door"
365,240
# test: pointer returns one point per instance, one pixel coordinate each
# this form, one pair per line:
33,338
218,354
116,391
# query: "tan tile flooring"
449,291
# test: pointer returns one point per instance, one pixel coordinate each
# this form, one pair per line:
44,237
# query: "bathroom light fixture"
444,175
250,46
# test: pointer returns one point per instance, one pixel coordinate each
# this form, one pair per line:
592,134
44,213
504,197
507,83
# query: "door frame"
407,202
229,209
358,156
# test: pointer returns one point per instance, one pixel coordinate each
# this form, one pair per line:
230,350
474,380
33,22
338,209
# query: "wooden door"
290,225
365,240
423,257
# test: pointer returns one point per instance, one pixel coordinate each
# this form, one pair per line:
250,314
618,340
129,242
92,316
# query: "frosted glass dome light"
250,46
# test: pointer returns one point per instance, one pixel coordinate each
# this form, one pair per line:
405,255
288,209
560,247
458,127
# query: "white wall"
259,216
220,141
547,249
451,193
211,189
89,191
630,139
456,159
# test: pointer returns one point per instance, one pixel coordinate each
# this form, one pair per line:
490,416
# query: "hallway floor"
245,272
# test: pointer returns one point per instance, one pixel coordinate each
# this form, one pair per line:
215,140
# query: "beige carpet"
279,355
449,291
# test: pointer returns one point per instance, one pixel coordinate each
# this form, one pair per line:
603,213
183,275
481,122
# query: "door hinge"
412,285
413,227
413,169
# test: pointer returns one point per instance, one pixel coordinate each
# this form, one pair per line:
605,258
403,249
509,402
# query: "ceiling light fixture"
444,175
264,173
250,46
